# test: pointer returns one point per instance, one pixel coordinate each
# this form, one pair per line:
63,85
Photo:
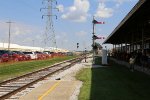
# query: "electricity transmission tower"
49,35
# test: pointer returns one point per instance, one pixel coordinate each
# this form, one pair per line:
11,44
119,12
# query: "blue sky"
74,23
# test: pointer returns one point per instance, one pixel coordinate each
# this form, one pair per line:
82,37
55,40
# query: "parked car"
53,54
6,55
32,55
40,55
21,55
48,53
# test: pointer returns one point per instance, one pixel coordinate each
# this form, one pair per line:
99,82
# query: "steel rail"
15,85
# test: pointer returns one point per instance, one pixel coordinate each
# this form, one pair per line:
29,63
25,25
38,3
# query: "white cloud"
106,12
18,28
21,33
78,12
66,40
61,8
61,35
81,33
62,39
103,11
121,1
118,3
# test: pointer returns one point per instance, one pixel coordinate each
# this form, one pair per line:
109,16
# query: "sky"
73,24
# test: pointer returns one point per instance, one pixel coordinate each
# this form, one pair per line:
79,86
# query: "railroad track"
15,85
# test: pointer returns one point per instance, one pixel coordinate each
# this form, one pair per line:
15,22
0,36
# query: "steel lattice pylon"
49,34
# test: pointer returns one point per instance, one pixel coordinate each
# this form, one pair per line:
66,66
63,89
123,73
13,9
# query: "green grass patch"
10,70
113,83
85,76
98,60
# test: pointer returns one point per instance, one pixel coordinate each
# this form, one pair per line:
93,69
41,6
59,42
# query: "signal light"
77,45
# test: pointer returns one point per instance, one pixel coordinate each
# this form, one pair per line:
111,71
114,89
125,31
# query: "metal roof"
131,27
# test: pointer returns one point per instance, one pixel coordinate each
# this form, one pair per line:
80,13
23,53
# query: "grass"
85,76
10,70
98,60
113,83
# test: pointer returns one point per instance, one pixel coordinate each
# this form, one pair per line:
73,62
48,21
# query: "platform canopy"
134,28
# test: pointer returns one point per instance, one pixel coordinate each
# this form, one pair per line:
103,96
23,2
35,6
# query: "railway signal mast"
49,35
95,37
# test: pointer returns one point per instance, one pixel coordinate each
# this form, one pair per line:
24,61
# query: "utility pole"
49,35
33,42
9,22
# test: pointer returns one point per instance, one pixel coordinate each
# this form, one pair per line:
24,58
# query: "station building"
132,35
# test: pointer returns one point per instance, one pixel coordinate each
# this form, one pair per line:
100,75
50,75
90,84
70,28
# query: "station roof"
134,26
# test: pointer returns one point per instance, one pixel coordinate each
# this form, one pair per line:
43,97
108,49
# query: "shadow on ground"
116,82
